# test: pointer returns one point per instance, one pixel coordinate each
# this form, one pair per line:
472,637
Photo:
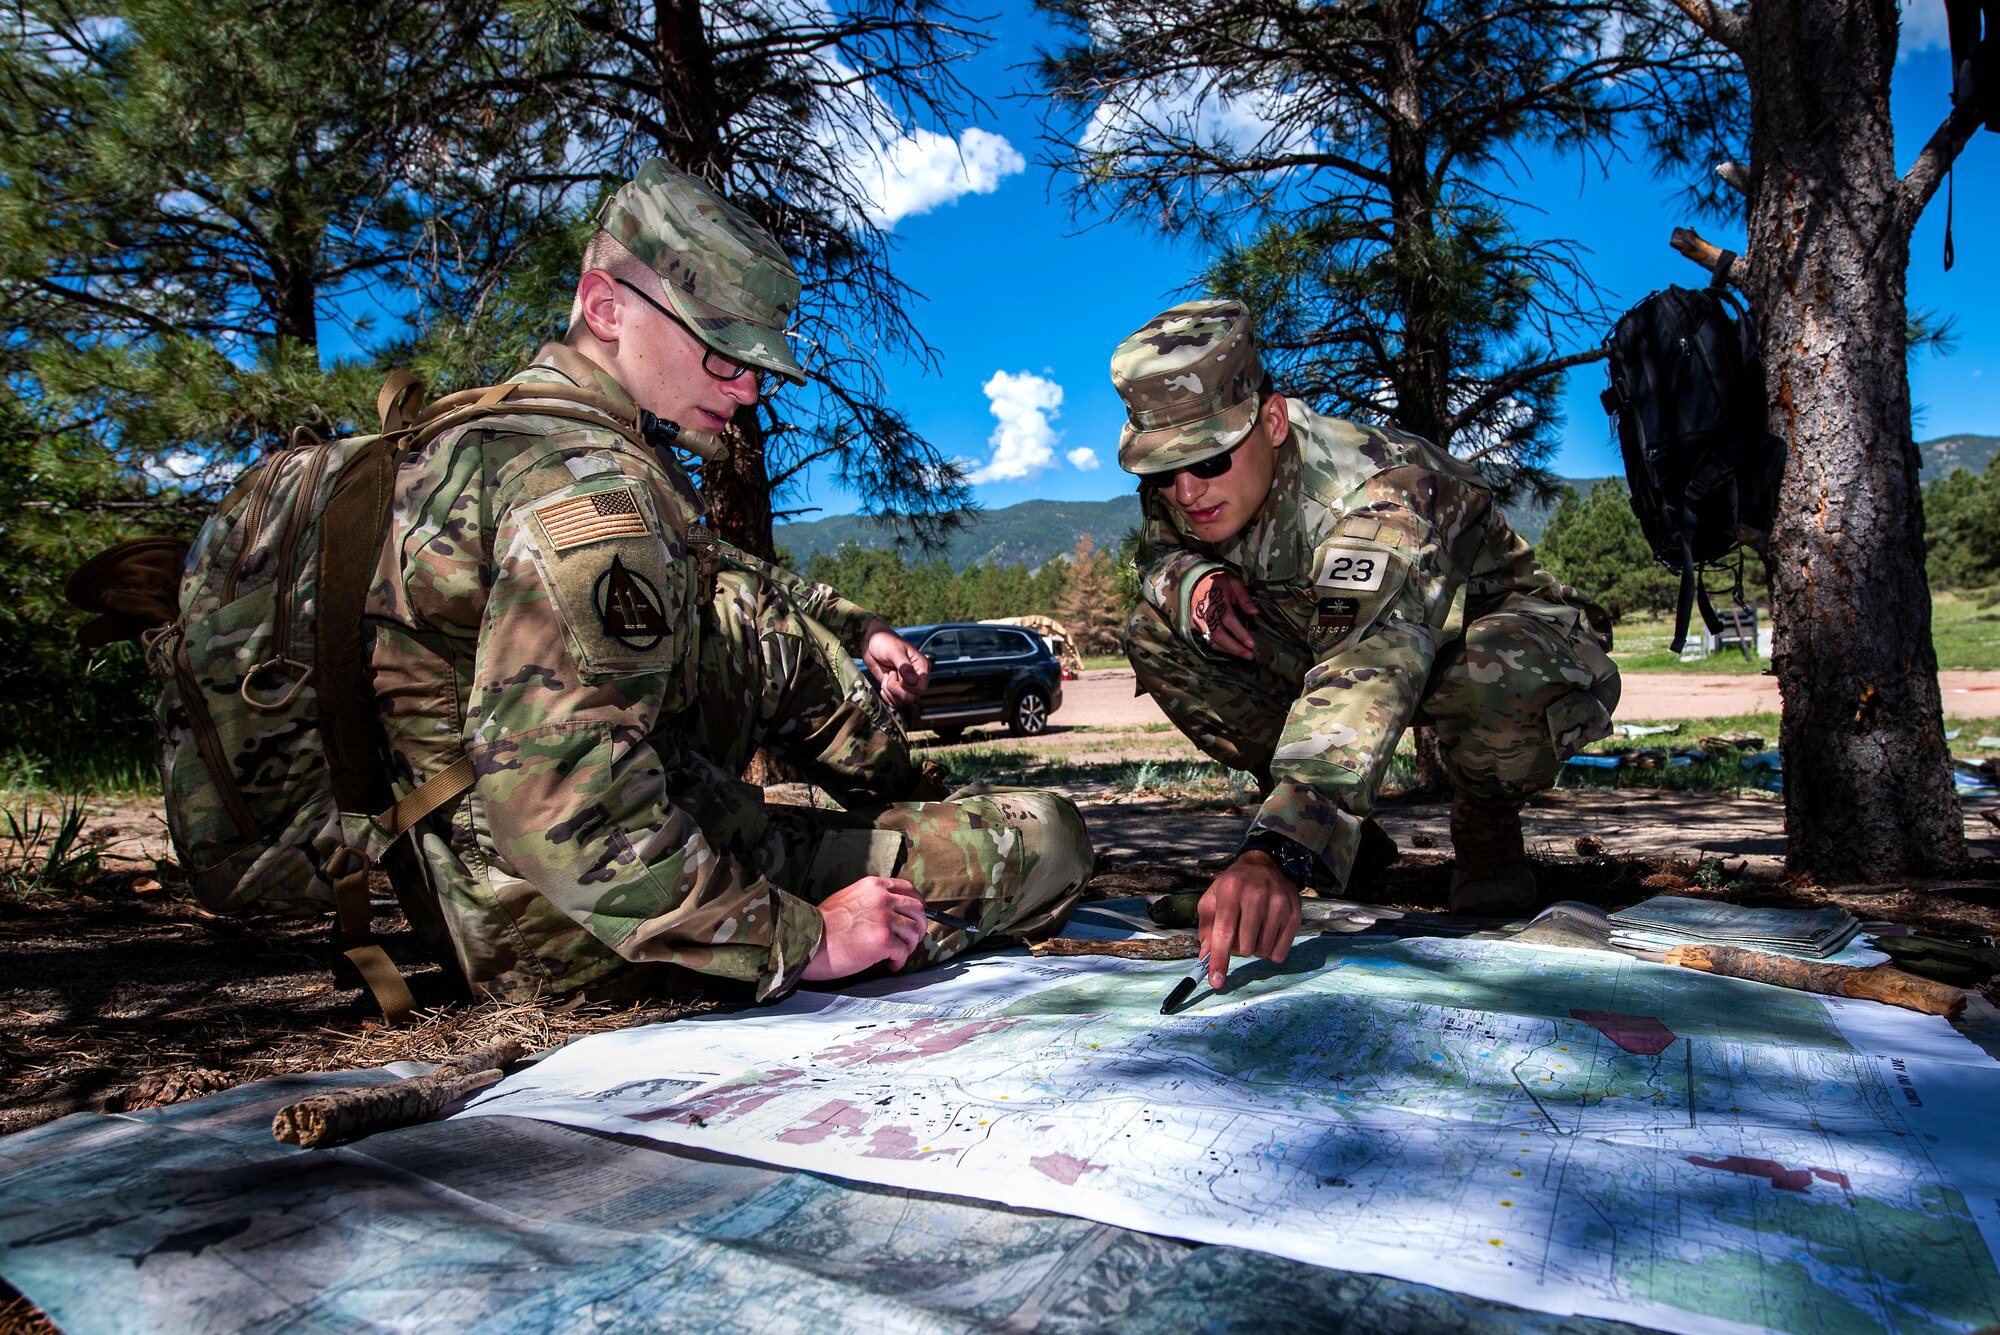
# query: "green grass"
1965,628
114,769
43,852
1965,631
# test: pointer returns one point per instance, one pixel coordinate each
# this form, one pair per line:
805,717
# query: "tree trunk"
1433,778
1422,375
1868,787
737,490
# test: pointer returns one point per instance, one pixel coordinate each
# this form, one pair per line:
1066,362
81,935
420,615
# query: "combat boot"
933,784
1376,852
1490,876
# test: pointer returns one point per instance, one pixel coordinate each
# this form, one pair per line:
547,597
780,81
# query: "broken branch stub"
1725,265
347,1115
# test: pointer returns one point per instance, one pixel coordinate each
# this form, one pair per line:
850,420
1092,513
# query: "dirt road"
1103,698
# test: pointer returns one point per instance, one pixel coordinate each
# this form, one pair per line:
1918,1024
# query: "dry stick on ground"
1164,948
349,1114
1882,982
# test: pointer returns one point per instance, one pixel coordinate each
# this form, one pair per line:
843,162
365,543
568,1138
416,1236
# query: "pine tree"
780,107
1340,162
1088,608
1791,108
190,191
1595,544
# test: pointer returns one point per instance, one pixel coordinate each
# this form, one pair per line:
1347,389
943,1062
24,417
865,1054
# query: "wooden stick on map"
1883,982
1141,948
349,1114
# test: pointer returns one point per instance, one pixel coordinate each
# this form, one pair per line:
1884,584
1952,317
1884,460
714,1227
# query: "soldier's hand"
901,673
877,918
1221,609
1251,909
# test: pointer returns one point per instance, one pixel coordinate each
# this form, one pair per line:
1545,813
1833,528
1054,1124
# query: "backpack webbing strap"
1684,606
427,797
353,913
353,936
397,404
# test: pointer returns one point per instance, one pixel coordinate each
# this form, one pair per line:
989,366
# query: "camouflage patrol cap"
724,274
1190,378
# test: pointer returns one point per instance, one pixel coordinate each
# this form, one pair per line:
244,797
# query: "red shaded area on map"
1635,1033
1064,1168
1779,1176
907,1042
838,1117
724,1101
823,1121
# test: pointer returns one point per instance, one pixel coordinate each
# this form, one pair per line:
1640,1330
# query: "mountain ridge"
1032,532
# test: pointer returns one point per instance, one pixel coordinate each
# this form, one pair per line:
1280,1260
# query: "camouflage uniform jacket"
1368,538
595,836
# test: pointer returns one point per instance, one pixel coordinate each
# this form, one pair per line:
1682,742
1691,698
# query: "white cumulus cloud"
923,169
1024,442
1923,28
1082,458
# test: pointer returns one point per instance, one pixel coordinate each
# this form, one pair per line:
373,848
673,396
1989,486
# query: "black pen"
1186,986
943,919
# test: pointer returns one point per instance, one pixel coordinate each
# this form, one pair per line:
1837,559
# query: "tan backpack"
271,753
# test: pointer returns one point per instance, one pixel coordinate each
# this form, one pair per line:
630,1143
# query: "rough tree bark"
1868,787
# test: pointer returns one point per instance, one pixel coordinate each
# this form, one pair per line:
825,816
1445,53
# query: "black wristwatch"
1293,858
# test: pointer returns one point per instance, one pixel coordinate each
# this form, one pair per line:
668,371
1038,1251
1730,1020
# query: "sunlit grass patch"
46,851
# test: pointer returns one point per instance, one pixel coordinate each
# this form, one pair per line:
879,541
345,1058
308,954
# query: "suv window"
942,647
1013,643
980,642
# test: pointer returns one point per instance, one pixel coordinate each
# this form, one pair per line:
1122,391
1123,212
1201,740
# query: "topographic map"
1570,1131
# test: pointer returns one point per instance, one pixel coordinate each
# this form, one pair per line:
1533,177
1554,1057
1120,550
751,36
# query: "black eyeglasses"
719,365
1214,466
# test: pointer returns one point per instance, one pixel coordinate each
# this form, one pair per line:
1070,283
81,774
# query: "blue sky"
1016,288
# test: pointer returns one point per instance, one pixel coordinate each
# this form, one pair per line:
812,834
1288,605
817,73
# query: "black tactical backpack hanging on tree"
1688,396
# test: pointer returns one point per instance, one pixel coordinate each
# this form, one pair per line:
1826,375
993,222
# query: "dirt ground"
1104,697
124,994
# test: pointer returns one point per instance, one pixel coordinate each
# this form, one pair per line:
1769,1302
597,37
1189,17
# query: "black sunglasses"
719,365
1214,466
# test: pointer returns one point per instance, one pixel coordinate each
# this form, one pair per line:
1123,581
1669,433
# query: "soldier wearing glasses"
1311,588
550,601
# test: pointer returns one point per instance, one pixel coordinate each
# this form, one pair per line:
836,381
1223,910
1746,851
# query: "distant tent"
1054,632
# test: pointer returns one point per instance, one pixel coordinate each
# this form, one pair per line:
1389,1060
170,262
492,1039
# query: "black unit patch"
628,607
1335,616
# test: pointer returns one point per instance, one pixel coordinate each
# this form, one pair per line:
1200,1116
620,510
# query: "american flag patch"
592,518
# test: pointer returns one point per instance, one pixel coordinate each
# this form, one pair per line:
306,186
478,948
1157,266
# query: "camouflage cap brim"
734,337
726,276
1171,447
1191,381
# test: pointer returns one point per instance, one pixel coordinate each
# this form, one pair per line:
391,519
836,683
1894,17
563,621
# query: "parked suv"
984,674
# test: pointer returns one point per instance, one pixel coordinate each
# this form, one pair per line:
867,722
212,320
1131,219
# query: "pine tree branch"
85,297
1711,257
1725,27
1920,184
1500,388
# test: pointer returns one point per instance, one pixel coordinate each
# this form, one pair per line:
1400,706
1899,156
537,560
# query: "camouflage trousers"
1519,692
1003,862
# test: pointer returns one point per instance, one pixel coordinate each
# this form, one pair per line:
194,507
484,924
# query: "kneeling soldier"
551,603
1298,577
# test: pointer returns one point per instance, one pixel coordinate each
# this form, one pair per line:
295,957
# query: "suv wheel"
1028,716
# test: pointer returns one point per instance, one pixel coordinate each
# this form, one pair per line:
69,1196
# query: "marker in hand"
1186,986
